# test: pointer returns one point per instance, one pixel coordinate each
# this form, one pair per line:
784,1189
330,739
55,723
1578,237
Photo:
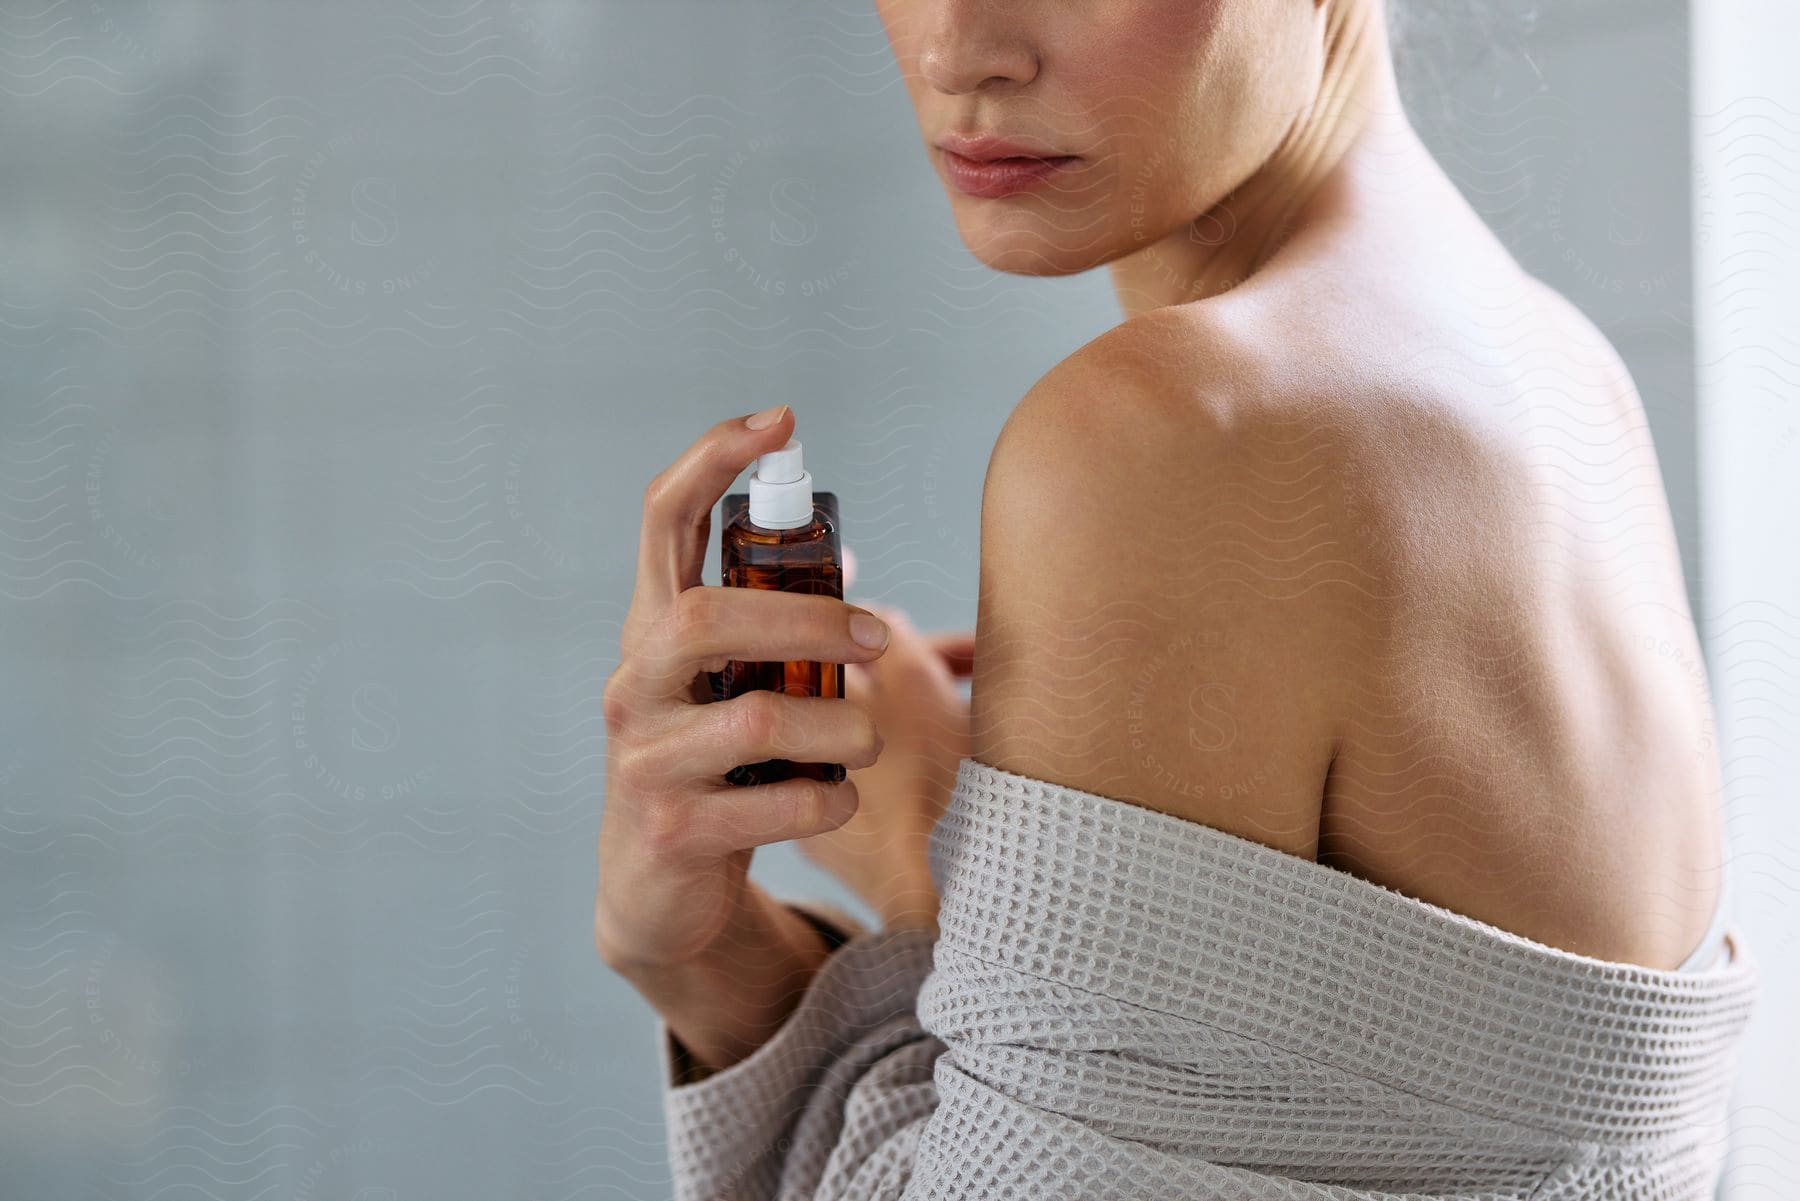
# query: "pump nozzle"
781,491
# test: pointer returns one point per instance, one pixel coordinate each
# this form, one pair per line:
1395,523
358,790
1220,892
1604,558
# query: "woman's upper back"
1373,566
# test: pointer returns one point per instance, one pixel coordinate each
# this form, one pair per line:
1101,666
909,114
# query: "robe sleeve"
830,1108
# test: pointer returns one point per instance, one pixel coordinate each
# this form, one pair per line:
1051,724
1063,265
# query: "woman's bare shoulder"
1172,595
1230,423
1203,537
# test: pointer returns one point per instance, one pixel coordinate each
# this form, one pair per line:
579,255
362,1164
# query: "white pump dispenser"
781,489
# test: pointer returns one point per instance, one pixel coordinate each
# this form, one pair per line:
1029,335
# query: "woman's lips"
996,177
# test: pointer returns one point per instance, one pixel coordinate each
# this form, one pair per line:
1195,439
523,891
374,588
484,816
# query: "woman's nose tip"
957,60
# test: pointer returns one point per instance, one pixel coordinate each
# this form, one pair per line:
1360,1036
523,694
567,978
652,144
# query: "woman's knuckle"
696,611
633,769
621,763
664,829
658,490
617,706
759,719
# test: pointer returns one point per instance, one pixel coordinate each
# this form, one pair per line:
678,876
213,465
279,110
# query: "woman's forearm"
907,899
723,1005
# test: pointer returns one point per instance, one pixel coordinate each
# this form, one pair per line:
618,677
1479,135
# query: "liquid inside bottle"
802,557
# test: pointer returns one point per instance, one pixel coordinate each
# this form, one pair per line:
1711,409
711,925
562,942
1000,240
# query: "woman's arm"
1174,598
763,963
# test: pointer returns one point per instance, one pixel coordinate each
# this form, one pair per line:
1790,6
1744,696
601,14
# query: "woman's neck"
1301,183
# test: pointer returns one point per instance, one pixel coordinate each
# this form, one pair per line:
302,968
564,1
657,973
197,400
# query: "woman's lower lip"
1002,176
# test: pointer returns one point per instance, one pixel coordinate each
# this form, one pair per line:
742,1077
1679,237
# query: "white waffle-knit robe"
1121,1003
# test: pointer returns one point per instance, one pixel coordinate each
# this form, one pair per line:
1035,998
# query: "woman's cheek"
1139,67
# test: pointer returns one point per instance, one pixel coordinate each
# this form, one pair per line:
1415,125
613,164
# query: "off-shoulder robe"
1122,1003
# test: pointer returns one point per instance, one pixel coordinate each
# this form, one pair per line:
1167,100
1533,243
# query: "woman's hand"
675,912
912,695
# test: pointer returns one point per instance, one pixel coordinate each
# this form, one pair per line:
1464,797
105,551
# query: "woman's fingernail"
868,630
766,418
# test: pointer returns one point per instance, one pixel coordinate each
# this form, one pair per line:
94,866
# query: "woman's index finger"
678,503
957,649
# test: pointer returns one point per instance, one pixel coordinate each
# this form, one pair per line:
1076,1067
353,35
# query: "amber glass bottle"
781,535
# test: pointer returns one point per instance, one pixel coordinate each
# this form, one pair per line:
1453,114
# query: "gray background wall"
339,342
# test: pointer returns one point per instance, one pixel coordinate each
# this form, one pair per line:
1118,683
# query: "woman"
1337,815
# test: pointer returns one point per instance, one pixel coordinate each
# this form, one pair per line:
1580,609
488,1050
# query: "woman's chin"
1030,247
